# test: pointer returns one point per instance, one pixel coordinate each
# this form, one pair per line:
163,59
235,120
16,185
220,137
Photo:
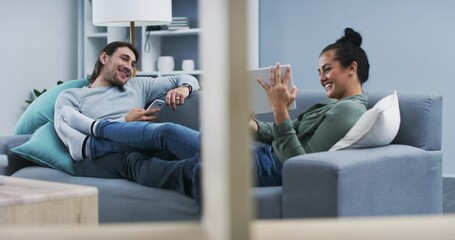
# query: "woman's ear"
353,68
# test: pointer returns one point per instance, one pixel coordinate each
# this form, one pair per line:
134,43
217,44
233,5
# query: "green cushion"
41,110
45,148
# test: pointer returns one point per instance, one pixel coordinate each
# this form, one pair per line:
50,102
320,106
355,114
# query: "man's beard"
113,78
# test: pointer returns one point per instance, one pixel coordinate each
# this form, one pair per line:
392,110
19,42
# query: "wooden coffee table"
36,202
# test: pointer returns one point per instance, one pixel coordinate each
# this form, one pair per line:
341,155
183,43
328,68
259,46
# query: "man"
113,95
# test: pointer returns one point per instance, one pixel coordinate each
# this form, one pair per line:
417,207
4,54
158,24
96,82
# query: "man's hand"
140,114
177,96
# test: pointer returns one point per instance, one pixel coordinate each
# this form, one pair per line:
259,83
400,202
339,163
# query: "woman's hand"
280,97
177,96
252,124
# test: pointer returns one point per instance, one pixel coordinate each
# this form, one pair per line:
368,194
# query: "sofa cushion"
45,148
124,201
376,127
186,114
41,110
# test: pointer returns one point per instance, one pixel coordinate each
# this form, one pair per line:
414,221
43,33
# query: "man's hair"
110,49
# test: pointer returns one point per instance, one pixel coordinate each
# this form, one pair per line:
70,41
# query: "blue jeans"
176,175
266,168
168,140
160,155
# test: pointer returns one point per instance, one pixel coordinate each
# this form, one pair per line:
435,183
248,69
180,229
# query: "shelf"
156,73
97,35
191,31
181,44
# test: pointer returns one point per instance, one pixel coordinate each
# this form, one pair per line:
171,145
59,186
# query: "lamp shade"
121,12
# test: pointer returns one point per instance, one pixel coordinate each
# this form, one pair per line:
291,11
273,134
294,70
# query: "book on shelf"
178,23
178,28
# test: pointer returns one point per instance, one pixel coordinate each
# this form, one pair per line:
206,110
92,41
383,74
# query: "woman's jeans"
162,139
266,168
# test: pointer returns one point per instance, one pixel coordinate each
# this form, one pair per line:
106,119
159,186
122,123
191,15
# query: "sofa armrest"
389,180
14,161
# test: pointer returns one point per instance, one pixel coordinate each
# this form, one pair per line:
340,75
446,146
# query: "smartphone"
157,103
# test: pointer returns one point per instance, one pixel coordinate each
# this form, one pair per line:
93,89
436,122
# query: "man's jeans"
150,138
135,150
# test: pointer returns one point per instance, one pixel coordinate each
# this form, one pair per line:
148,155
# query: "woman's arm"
333,127
280,97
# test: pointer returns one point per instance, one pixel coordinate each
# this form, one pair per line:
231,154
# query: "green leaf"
36,92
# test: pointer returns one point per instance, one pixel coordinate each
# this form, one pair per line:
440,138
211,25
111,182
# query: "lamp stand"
132,37
132,40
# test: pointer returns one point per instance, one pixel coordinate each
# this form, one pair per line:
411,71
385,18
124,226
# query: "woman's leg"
266,168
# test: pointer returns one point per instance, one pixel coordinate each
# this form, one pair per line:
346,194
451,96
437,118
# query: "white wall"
410,45
38,45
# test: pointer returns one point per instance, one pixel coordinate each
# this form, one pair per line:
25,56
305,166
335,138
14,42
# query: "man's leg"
174,175
77,120
108,166
176,139
73,139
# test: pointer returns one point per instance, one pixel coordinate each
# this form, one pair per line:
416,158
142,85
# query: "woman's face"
335,79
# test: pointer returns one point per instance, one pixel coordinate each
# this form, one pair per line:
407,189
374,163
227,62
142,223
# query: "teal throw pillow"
41,110
46,149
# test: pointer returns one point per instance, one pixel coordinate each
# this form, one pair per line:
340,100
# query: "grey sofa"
404,177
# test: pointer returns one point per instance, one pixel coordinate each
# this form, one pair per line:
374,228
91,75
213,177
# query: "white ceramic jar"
188,65
166,64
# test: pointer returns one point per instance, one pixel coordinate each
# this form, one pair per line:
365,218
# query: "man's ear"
103,56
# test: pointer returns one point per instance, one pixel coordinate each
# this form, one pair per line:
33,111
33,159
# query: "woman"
343,68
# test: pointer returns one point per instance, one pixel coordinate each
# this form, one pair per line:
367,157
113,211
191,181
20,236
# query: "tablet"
260,101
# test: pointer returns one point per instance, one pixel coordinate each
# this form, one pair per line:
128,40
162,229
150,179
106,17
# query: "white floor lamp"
131,13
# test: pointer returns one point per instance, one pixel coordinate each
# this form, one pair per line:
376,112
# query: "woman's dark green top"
315,130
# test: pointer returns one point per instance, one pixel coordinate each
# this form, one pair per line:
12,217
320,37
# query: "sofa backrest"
186,114
421,115
421,118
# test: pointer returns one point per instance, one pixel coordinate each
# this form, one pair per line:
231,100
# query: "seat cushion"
268,202
124,201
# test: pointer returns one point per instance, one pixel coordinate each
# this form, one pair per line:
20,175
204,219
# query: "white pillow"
376,127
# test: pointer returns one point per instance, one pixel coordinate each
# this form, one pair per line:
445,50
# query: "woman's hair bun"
351,36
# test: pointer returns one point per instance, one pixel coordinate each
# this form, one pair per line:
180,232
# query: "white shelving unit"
151,50
150,44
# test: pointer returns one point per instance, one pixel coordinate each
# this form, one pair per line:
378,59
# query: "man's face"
118,68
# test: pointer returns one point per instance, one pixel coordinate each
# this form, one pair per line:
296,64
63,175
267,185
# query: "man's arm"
188,81
181,86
